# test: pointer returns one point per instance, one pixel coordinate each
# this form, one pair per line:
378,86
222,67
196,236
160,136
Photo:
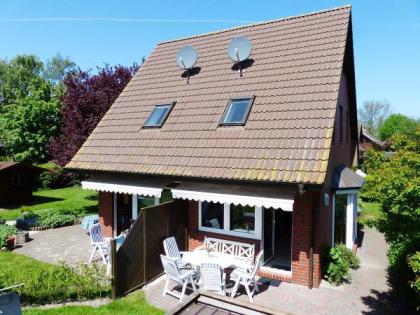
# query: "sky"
92,33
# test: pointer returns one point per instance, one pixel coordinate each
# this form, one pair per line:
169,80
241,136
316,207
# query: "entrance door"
277,238
269,228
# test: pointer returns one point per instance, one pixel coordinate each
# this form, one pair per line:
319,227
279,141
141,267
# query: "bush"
50,218
5,232
56,177
57,284
339,261
414,264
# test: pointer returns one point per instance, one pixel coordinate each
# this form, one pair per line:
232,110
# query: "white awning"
146,187
249,195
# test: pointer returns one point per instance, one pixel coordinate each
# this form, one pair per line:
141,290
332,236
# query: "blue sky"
386,34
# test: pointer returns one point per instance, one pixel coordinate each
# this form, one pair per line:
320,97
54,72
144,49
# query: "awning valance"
258,196
146,187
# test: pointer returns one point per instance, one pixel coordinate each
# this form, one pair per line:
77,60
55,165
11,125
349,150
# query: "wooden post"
114,267
145,212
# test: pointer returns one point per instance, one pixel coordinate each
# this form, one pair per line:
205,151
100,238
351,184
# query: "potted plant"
10,242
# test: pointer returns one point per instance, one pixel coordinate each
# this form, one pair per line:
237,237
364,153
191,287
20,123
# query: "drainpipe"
311,249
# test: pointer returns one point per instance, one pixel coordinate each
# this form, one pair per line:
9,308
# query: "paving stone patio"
364,295
69,244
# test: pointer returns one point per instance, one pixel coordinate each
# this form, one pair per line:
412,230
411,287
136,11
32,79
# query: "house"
366,141
17,182
263,157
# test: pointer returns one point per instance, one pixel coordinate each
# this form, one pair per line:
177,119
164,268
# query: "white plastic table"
197,257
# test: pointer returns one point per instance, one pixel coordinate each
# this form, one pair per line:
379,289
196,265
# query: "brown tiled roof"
295,79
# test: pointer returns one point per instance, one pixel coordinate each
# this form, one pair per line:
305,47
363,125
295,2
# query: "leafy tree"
28,126
397,123
19,78
87,99
57,67
373,114
397,184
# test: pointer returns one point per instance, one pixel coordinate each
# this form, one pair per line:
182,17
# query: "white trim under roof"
143,187
246,195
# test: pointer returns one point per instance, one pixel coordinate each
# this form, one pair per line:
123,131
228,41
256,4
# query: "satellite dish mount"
186,58
239,50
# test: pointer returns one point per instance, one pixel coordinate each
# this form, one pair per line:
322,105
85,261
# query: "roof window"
158,116
237,111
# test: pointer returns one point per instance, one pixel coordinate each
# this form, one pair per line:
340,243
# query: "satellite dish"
186,57
239,49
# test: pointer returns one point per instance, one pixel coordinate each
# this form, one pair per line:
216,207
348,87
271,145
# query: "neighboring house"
263,158
366,141
17,182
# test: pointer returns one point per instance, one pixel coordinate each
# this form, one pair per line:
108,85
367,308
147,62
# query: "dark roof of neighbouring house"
295,78
345,178
9,164
364,132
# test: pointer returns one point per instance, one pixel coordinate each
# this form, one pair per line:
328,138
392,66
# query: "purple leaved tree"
87,99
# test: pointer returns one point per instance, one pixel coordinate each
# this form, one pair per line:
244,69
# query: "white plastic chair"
247,278
172,251
181,276
212,278
98,243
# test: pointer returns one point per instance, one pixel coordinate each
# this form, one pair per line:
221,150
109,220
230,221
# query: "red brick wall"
105,213
304,220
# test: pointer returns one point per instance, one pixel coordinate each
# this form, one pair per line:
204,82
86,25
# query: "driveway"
366,294
69,244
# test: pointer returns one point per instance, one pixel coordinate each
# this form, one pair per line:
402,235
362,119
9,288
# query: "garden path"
70,244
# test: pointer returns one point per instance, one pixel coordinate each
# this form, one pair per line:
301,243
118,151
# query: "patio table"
197,257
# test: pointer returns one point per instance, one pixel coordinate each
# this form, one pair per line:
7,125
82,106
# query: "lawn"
370,211
47,283
134,304
75,198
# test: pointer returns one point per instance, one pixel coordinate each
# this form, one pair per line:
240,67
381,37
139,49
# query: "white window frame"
226,224
351,216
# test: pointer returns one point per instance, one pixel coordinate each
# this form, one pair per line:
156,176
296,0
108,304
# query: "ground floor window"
345,218
242,218
230,219
340,219
212,215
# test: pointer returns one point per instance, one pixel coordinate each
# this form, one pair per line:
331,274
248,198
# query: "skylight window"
237,111
158,116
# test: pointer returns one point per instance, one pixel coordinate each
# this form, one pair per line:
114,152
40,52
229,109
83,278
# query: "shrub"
5,232
57,284
339,261
57,177
414,264
50,218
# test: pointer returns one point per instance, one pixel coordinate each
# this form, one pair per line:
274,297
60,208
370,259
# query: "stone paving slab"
361,296
69,244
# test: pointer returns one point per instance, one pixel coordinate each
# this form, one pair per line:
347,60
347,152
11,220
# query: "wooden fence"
137,261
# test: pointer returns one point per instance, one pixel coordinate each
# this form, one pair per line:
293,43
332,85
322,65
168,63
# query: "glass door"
269,229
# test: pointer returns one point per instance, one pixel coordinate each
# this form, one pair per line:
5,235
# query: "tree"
397,185
28,126
57,67
19,78
373,114
87,99
395,124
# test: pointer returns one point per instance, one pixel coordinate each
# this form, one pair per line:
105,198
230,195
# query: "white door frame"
351,216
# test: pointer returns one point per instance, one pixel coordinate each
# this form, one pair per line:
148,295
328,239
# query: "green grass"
83,201
12,262
134,304
370,211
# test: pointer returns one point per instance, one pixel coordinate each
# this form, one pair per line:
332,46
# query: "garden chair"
246,277
180,276
212,278
98,243
172,251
